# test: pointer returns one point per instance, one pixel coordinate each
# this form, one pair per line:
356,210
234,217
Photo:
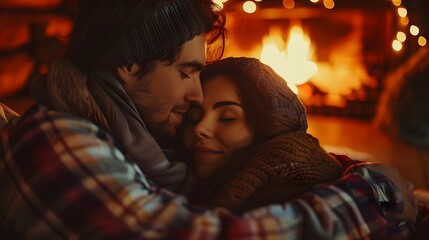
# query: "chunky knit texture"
285,167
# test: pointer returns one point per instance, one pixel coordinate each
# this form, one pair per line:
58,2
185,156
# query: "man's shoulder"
41,114
40,118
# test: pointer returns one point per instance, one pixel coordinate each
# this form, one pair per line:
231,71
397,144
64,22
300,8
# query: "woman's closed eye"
227,119
229,115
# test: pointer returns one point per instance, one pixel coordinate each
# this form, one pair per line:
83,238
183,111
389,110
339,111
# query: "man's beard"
160,131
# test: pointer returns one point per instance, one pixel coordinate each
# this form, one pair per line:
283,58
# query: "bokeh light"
414,30
249,7
397,45
422,41
289,4
402,12
401,36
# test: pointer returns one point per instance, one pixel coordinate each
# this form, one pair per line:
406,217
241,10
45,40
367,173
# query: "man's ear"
127,73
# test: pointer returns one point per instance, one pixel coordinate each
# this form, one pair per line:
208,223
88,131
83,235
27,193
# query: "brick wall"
32,34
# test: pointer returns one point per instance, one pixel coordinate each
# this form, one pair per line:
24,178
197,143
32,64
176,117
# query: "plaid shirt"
64,177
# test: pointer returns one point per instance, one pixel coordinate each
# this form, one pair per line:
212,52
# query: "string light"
396,45
402,12
422,41
289,4
414,30
249,7
401,36
397,2
329,4
219,3
405,21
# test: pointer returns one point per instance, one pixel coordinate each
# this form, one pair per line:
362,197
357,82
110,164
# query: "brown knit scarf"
100,98
282,169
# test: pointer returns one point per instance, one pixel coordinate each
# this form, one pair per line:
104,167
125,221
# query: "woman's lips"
202,153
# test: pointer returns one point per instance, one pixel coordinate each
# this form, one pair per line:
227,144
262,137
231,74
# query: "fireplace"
334,59
337,52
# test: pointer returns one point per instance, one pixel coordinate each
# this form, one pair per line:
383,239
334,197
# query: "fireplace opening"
335,60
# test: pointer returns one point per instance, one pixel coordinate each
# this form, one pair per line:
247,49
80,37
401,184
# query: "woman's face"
218,128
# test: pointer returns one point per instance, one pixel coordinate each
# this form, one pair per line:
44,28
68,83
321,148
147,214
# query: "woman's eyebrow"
226,103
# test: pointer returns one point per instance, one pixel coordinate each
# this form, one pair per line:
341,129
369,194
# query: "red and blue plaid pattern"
63,177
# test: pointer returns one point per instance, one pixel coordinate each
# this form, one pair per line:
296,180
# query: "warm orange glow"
405,21
291,63
43,68
397,45
249,7
397,2
341,71
401,36
329,4
59,27
422,41
289,4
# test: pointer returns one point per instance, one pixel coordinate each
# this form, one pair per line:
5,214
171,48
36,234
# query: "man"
83,164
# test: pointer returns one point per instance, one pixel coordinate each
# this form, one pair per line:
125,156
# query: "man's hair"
122,32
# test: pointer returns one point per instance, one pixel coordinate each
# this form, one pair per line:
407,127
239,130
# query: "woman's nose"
203,130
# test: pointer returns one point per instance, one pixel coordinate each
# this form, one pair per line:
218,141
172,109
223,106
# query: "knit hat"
277,96
123,32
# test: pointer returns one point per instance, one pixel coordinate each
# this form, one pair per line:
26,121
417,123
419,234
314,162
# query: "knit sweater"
282,168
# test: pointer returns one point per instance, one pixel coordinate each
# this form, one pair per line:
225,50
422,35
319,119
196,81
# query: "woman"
248,139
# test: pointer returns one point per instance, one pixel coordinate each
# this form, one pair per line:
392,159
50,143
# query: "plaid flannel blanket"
63,177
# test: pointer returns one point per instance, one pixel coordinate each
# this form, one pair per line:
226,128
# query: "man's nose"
195,92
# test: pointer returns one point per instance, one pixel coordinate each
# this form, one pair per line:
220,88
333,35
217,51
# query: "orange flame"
293,62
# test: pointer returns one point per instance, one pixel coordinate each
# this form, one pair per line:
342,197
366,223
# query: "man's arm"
64,177
359,206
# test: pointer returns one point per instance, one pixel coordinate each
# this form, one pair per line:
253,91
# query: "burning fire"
290,61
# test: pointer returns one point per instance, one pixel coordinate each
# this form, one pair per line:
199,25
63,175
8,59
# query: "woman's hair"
122,32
